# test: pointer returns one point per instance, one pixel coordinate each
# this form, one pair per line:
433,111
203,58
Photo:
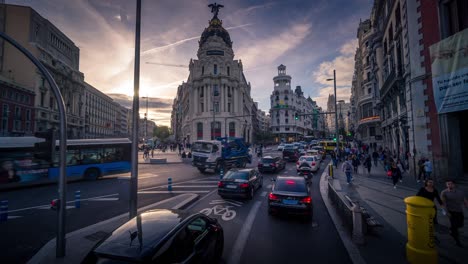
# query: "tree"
161,132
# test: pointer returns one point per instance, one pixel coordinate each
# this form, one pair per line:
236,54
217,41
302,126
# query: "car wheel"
202,170
92,174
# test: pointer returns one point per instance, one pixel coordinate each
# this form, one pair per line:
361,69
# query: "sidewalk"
375,192
171,157
80,242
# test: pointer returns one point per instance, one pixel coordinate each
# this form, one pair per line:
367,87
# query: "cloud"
344,67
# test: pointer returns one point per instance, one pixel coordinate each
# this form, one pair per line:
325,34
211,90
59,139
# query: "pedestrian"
347,168
402,169
335,162
453,200
431,193
152,152
396,174
368,164
421,169
427,169
356,163
375,156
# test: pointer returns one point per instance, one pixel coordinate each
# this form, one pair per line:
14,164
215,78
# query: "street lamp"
336,112
341,124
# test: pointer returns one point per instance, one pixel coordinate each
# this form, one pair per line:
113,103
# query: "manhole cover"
97,236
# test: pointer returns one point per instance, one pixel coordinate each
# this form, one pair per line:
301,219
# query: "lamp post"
341,123
336,112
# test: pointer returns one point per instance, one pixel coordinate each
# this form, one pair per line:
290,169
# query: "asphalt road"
251,235
254,236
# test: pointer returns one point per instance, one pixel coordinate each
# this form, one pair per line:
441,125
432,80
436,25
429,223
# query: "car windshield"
268,160
289,146
291,185
237,175
203,147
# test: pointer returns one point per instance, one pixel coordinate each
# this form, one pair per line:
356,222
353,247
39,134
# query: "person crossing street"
453,200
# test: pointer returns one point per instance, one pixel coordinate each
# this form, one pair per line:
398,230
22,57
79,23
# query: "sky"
310,37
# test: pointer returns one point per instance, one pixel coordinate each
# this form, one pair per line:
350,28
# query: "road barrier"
169,184
221,173
330,170
77,199
4,211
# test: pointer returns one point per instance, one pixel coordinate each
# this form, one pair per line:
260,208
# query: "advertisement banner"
449,62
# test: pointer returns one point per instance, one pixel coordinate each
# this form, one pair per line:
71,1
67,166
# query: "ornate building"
215,101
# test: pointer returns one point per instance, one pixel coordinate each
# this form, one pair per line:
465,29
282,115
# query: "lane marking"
201,199
13,217
206,181
222,202
263,194
188,192
105,199
241,240
146,177
191,186
184,202
48,205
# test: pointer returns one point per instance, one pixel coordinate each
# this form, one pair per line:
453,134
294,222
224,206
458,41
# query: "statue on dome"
215,9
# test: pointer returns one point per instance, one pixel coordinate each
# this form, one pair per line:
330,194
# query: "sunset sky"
310,37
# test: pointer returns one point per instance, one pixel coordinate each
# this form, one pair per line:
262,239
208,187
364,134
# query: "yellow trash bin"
420,220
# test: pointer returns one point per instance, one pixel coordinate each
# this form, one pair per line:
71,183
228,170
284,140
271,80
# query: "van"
330,145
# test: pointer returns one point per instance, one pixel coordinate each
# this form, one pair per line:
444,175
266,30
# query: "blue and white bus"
86,158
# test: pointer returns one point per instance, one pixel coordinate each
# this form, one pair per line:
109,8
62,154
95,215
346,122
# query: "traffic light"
45,150
334,139
296,116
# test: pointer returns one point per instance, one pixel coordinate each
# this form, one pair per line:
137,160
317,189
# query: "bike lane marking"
241,240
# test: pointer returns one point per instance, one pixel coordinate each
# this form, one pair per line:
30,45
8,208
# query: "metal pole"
336,113
136,109
146,119
62,184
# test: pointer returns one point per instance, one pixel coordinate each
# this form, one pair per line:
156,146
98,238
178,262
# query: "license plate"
290,202
231,186
198,163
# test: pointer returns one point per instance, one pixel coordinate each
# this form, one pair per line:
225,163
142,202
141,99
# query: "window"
216,107
455,16
51,103
215,130
215,69
372,131
42,98
201,92
277,129
286,121
228,71
287,129
229,107
17,125
17,113
203,70
202,107
229,92
367,110
215,90
199,130
232,129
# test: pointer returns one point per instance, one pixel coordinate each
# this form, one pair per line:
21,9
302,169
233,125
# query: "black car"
291,154
269,163
291,195
162,236
240,183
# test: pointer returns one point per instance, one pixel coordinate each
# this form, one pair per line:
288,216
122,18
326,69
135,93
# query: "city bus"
85,158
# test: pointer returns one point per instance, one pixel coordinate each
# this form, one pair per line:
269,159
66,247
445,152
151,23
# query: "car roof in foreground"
142,234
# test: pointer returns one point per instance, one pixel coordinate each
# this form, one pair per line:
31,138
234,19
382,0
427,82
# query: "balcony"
365,98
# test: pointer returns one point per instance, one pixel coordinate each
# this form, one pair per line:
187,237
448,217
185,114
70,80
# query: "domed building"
215,101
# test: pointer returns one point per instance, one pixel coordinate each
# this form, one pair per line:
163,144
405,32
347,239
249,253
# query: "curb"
50,246
352,249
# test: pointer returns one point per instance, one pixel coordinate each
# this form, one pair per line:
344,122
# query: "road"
251,235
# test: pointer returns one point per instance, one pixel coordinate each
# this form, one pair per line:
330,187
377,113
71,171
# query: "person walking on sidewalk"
431,193
402,169
368,164
421,169
356,163
334,159
375,156
453,200
427,168
396,174
347,168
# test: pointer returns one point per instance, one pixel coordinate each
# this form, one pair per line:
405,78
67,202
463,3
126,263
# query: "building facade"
291,114
57,52
215,101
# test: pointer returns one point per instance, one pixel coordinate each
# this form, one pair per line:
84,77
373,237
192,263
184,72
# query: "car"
162,236
315,152
269,163
290,195
280,147
312,161
240,183
320,149
290,153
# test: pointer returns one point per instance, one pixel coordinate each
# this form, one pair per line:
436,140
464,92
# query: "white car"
315,152
280,147
312,161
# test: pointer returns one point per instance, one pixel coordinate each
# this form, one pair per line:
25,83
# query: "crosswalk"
203,185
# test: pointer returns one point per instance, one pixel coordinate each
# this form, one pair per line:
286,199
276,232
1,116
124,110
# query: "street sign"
341,137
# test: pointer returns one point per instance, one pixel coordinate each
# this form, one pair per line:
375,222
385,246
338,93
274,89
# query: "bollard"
358,235
420,220
4,210
330,170
77,199
221,173
169,184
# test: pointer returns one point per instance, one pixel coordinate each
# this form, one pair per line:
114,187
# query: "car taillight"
273,197
307,200
260,164
220,184
273,164
297,163
244,185
313,163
